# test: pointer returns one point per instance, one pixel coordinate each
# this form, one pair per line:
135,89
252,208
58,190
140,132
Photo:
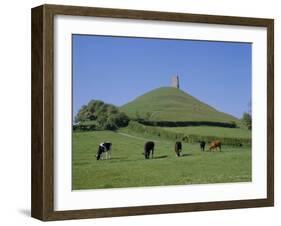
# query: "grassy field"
211,131
128,168
171,104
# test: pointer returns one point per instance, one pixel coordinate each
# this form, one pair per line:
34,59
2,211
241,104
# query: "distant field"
212,131
128,168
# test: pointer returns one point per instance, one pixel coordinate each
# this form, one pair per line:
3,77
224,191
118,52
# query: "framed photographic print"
142,112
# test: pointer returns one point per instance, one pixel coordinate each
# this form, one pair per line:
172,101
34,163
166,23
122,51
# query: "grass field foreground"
128,168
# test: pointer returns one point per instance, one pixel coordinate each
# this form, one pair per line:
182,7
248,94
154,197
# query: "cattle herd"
104,149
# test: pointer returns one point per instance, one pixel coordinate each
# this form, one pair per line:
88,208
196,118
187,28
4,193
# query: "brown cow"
214,145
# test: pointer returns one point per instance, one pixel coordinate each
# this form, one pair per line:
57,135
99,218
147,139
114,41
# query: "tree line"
98,115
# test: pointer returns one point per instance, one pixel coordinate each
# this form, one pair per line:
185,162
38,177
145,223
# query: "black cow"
202,145
104,151
178,148
148,147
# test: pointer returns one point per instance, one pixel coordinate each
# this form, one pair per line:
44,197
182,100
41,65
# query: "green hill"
172,104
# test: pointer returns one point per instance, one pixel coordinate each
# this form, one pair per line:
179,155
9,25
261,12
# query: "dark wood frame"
42,203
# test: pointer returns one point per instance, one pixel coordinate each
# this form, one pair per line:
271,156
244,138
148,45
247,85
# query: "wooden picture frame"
42,203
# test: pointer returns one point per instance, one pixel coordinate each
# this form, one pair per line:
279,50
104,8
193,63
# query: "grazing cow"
202,145
214,145
148,147
104,151
178,148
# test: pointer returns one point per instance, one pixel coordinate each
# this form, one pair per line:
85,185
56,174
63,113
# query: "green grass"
171,104
212,131
128,168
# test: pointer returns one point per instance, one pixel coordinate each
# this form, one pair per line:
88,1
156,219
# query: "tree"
121,119
82,115
101,122
247,120
105,116
250,107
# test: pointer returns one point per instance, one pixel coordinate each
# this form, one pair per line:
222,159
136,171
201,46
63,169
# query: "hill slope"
171,104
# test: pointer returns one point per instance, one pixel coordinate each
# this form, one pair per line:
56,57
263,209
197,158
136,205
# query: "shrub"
247,120
191,138
225,140
186,123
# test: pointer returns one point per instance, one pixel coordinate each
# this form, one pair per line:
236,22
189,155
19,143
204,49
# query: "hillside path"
135,137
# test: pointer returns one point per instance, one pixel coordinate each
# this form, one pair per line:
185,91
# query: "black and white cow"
104,151
178,148
148,147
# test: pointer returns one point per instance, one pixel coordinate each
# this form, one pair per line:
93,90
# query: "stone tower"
175,81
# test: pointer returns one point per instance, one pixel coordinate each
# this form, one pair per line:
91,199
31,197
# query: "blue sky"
119,69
